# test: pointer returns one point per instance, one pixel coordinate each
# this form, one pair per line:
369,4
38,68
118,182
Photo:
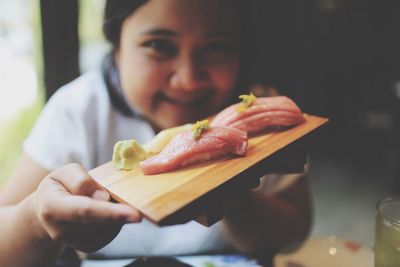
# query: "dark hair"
116,11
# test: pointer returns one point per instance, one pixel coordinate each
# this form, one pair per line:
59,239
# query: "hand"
70,207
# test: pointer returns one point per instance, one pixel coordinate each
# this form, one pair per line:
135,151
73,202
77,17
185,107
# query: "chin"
176,121
163,123
171,117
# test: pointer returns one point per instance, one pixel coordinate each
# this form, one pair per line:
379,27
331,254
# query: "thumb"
101,194
77,181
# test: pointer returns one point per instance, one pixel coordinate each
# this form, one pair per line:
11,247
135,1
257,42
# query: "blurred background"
43,45
339,59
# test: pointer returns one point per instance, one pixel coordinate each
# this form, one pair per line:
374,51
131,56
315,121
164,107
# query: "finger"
82,209
78,181
100,194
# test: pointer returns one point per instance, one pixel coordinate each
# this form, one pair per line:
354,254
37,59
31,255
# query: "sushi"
254,114
188,148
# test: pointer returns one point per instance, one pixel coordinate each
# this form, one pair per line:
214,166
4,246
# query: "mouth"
188,101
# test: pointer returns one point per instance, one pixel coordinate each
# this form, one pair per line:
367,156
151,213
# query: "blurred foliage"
13,133
11,138
90,18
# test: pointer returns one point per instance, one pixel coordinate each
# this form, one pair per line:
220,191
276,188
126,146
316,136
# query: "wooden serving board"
162,195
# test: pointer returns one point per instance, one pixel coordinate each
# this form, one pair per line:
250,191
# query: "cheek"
225,76
140,81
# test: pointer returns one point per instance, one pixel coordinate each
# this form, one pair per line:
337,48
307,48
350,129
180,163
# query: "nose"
188,74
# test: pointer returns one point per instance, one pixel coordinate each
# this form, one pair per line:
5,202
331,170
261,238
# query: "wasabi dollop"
247,101
199,127
127,154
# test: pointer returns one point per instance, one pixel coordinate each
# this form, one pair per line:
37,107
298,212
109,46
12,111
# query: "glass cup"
387,233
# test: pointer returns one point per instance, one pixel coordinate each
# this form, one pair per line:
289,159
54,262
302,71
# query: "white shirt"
79,124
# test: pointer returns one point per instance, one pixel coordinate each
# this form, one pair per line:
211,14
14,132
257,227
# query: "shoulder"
67,126
82,94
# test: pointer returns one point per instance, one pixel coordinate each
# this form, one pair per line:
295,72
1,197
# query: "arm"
258,222
66,207
17,229
22,242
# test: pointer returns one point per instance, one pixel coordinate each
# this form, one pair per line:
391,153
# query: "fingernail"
133,218
101,195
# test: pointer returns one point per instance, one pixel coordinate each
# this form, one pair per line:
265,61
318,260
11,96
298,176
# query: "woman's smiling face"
178,59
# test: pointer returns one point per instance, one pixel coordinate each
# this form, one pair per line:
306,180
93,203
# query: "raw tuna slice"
184,150
264,113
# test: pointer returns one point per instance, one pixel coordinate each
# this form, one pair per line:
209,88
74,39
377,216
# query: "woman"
173,62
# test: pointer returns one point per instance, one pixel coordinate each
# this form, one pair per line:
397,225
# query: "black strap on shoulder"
111,78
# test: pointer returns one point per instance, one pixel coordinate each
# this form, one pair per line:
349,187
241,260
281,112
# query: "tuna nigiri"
256,114
184,149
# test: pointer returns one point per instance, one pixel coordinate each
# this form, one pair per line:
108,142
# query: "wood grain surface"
162,195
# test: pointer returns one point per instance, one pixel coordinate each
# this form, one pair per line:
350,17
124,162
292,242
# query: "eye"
160,48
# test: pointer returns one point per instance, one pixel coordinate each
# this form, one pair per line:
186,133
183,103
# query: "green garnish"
247,101
199,127
127,154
